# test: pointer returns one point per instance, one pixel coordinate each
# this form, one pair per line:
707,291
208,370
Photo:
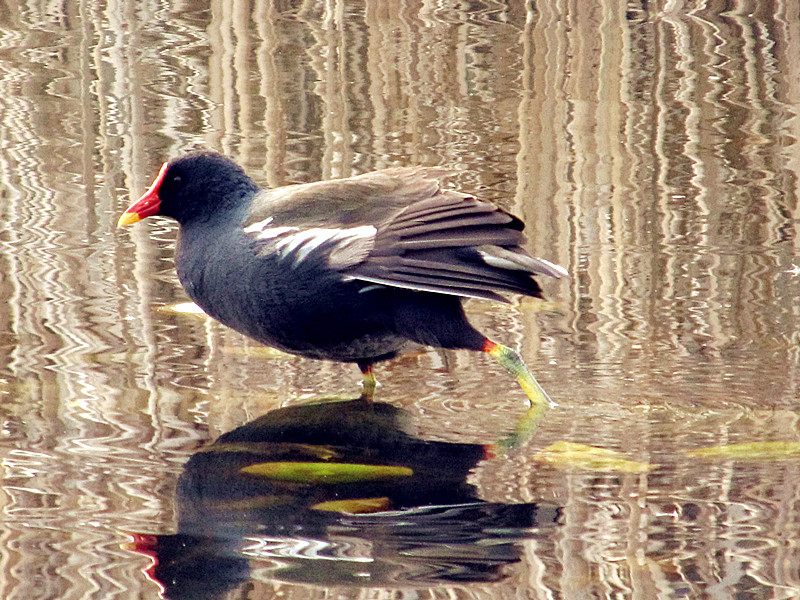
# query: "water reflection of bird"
348,269
335,493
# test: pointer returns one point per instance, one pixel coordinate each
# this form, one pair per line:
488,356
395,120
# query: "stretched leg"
539,400
440,322
368,381
514,365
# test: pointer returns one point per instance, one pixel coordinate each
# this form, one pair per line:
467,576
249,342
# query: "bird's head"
194,187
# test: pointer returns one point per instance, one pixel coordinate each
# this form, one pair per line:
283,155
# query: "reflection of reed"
655,153
662,238
60,341
603,139
274,125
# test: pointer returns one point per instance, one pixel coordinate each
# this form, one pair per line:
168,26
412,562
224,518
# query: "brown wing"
368,199
397,227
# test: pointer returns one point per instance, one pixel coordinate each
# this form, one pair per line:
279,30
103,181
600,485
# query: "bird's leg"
368,381
539,400
512,362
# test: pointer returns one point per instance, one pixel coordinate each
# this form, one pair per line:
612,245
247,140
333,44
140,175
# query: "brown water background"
652,148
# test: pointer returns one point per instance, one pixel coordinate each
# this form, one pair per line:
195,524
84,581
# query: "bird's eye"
177,181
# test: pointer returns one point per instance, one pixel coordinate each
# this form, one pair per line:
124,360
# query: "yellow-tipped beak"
146,206
128,218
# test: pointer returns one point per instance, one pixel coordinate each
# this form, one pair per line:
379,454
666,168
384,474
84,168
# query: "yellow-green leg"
539,400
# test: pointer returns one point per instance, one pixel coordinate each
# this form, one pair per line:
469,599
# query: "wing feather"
398,227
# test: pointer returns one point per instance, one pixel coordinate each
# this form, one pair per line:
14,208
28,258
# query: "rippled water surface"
652,149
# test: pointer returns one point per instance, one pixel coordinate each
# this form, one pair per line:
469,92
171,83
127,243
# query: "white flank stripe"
273,232
562,272
255,227
310,239
303,243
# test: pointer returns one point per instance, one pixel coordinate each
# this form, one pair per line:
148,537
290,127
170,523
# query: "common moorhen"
349,269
